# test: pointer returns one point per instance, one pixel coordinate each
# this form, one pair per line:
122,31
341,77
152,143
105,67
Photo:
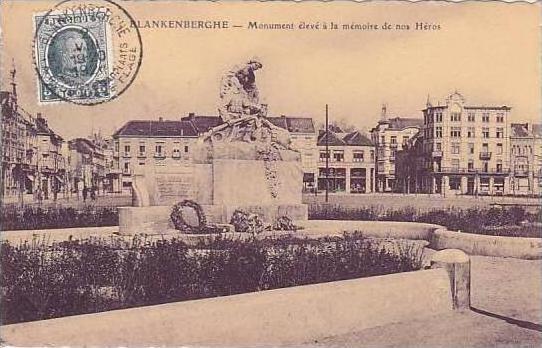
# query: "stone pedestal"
457,264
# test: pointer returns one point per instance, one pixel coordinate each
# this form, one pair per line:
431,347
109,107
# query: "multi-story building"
32,162
465,148
346,162
152,143
303,139
525,158
51,164
389,137
87,160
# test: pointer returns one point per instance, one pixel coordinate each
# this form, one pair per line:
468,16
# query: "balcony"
458,170
436,154
485,155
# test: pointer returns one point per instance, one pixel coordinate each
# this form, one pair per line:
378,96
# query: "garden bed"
38,218
506,222
94,275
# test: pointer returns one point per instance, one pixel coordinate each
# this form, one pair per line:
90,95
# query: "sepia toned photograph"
270,174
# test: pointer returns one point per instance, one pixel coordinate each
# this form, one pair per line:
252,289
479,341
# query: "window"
176,153
499,149
485,117
500,117
500,132
185,148
438,132
142,150
455,164
323,156
439,117
405,139
438,147
470,132
455,148
471,148
383,140
393,140
455,132
158,151
470,166
126,150
338,156
372,155
393,153
485,132
455,117
117,146
358,156
126,167
499,166
471,117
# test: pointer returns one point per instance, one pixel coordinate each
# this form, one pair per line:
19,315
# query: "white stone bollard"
457,264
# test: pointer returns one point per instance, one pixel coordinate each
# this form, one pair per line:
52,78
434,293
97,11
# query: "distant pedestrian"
93,193
85,194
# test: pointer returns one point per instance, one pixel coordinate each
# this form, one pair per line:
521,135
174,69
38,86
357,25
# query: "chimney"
160,119
191,115
383,115
38,115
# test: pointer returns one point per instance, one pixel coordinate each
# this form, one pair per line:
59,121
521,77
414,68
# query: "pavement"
506,311
422,202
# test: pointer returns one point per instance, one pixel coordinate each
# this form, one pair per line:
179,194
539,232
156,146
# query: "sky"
489,52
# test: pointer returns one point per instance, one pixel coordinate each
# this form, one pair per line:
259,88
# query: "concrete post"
457,264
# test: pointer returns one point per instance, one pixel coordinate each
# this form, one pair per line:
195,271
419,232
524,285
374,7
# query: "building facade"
303,139
525,158
389,137
346,162
32,161
464,149
152,143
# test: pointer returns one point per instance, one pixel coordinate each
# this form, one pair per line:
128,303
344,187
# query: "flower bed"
76,277
37,218
514,221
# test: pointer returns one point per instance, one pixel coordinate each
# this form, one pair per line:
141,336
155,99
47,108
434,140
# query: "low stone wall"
378,229
282,316
478,244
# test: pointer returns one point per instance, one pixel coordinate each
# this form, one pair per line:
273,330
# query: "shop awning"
308,177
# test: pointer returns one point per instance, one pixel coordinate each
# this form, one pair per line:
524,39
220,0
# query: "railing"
436,154
455,170
485,155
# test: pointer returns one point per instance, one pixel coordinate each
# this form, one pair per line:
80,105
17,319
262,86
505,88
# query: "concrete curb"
290,315
478,244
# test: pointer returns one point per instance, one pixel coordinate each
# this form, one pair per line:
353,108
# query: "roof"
203,123
332,139
42,128
294,124
82,145
526,130
355,138
157,128
520,130
400,123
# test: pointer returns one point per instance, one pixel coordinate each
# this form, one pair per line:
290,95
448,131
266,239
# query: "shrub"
35,218
92,275
495,221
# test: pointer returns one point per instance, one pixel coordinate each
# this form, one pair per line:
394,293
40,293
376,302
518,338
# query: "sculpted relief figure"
238,92
243,114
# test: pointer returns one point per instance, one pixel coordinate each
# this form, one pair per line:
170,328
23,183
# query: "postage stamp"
85,53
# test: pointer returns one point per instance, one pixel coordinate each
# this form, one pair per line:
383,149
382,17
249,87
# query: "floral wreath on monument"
180,223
